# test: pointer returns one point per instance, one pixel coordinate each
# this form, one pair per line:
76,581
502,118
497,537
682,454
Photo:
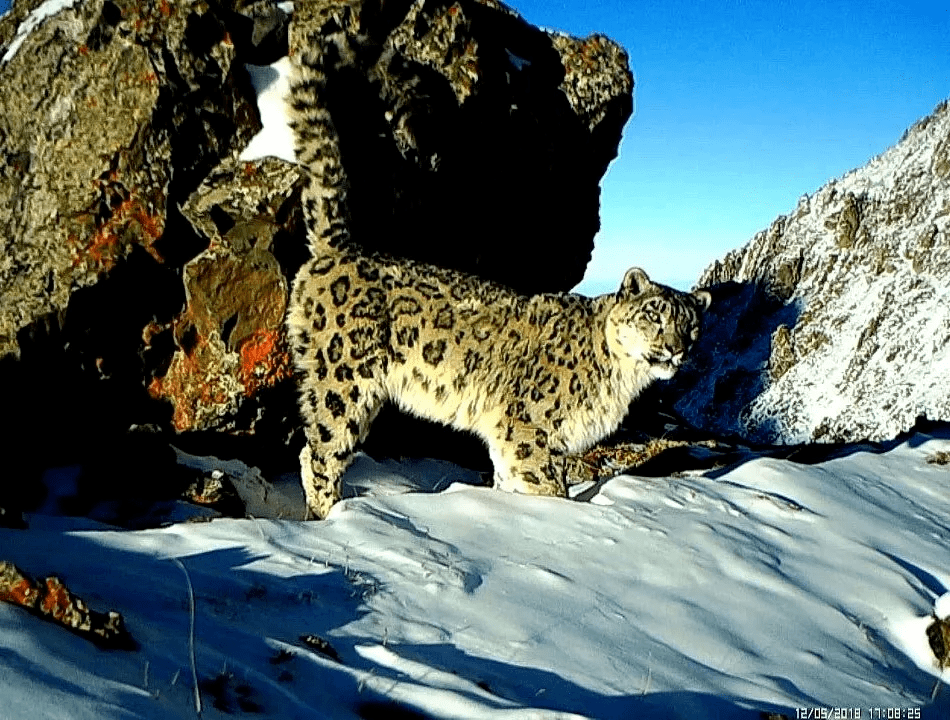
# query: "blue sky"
742,107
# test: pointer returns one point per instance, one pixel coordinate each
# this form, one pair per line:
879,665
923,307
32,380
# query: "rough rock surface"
834,324
109,108
229,340
143,264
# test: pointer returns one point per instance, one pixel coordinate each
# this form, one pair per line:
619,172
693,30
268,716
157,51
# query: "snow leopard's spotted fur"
537,378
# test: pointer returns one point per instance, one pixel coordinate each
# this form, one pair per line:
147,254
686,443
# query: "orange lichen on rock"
197,385
53,601
230,336
130,222
17,588
60,604
264,361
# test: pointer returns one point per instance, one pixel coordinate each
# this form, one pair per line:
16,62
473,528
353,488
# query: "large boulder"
476,141
111,114
145,260
834,323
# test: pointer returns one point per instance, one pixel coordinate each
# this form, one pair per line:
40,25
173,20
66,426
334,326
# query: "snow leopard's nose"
675,354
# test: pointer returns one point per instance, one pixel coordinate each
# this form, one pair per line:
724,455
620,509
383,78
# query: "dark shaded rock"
476,141
323,647
833,325
258,28
12,518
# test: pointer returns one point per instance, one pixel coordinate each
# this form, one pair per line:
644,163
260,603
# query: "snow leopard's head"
654,323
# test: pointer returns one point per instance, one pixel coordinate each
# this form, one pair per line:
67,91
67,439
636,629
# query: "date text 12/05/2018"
857,713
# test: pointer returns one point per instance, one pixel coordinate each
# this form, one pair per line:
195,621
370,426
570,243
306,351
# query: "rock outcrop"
834,324
143,273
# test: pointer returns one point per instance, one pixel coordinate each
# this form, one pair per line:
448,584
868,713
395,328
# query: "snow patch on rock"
276,139
33,21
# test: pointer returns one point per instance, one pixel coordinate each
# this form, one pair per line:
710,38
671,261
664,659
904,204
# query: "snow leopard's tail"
321,38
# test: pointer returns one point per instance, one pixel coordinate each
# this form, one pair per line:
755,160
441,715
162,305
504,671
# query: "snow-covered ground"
767,587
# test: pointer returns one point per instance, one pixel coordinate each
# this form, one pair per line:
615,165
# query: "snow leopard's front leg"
526,463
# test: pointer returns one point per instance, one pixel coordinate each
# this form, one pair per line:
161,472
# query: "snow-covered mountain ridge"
834,323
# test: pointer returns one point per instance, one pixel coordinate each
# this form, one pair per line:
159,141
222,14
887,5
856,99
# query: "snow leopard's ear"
703,299
634,282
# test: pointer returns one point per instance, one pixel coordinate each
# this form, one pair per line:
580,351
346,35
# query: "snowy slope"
852,340
768,587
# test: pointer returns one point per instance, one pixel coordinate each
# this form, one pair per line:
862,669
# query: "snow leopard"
537,378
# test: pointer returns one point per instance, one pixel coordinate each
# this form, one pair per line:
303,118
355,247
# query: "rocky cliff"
834,323
144,262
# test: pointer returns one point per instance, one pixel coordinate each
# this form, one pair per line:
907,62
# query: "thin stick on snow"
191,635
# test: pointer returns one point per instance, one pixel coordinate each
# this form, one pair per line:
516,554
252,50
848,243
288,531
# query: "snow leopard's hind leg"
329,451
